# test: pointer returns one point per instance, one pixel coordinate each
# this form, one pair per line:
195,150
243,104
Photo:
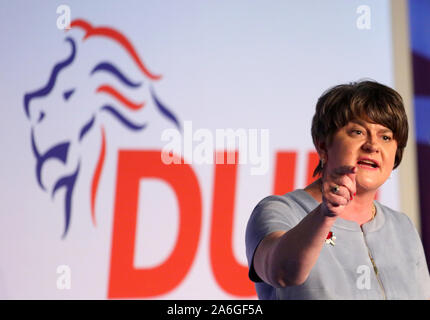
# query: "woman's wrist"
325,213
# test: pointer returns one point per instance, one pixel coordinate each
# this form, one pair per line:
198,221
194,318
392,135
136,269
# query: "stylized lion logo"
42,108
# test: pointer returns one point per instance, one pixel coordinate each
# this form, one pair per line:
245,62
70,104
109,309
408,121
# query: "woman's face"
368,146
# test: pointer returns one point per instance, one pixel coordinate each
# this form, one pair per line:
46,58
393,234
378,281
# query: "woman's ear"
322,151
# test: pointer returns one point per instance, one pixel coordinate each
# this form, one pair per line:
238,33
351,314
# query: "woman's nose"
370,145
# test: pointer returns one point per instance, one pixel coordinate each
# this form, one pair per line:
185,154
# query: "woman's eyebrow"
382,130
385,130
360,123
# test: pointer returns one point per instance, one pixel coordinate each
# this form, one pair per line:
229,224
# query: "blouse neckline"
370,226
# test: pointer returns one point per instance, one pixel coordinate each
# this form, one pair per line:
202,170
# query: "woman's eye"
386,138
357,131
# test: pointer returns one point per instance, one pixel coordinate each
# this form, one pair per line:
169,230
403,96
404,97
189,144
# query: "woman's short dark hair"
366,100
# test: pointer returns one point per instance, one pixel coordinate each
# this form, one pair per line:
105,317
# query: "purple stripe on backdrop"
421,66
423,153
420,52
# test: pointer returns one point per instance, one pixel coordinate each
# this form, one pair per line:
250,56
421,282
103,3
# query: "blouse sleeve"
423,272
273,213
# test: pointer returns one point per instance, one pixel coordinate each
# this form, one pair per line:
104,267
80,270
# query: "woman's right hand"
338,189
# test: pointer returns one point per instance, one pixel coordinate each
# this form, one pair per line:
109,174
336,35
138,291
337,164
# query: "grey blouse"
345,270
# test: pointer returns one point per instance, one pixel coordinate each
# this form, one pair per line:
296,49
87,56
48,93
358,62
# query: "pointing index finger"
346,170
349,171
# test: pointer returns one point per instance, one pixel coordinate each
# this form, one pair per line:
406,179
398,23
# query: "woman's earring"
322,163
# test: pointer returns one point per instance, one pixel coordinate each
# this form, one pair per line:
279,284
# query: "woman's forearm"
296,252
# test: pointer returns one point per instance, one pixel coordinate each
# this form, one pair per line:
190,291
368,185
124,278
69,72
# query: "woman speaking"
332,240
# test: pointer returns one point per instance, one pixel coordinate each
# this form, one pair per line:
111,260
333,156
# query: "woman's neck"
360,209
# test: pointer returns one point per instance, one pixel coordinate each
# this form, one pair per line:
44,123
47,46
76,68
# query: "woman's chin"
367,184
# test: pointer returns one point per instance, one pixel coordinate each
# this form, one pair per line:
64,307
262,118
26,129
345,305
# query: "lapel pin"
330,238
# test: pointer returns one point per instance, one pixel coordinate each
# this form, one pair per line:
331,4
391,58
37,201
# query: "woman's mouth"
367,163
